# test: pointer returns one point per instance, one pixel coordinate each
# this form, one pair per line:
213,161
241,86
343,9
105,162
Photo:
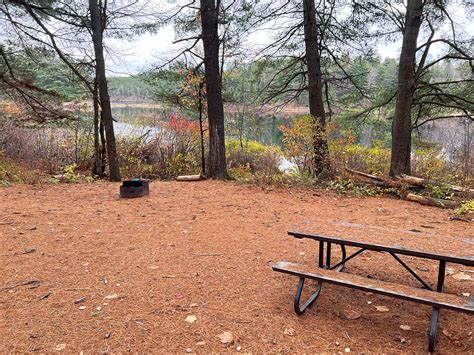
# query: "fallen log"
190,178
431,201
412,180
378,181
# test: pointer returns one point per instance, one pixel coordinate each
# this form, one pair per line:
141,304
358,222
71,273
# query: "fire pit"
134,188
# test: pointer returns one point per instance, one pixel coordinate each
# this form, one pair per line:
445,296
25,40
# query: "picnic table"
331,272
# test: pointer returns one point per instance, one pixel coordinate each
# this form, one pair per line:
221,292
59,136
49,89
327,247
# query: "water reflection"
263,129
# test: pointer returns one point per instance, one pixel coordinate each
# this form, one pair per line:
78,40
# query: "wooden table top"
458,250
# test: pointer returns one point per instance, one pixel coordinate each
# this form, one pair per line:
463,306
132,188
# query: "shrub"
252,157
465,208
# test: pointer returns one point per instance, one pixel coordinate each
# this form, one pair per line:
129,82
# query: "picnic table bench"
331,273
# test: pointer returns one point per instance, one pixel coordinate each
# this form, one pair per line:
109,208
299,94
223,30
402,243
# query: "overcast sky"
132,57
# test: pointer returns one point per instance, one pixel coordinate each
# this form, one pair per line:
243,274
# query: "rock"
238,348
191,319
201,343
422,268
82,307
347,350
29,250
189,350
405,327
466,294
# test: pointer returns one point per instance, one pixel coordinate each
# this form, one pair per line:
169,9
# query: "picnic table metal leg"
436,310
300,309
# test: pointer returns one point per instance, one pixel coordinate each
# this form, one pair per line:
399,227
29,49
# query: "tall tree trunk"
106,113
201,128
215,111
400,162
97,158
315,88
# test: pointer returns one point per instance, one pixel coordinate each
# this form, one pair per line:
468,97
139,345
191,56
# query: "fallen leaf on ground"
289,331
351,314
447,333
226,338
405,327
60,347
462,277
191,319
382,309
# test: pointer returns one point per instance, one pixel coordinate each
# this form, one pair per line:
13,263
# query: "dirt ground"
82,270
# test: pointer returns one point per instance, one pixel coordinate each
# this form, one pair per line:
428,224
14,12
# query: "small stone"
302,253
238,348
405,327
466,294
191,319
347,350
289,331
82,307
422,268
189,350
337,343
193,305
201,343
107,335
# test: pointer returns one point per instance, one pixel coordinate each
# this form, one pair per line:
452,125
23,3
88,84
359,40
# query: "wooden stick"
373,177
431,201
